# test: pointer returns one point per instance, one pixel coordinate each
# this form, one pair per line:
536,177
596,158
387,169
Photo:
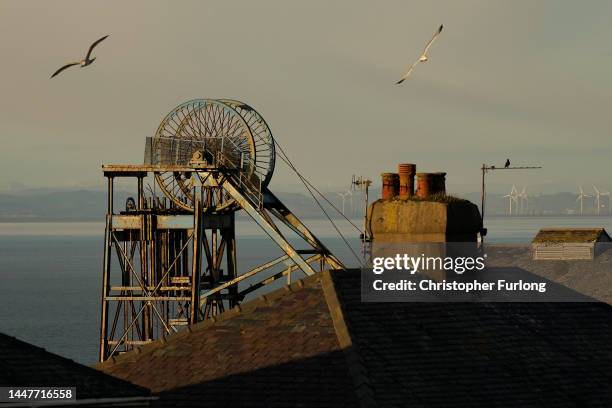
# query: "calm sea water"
50,273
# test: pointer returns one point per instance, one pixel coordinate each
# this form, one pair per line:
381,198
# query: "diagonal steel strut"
264,222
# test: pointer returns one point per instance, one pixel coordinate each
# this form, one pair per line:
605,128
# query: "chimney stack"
424,184
439,186
390,185
406,173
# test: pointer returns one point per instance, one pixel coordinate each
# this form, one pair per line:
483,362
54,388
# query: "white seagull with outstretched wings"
423,57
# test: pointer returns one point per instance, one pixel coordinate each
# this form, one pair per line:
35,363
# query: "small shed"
564,244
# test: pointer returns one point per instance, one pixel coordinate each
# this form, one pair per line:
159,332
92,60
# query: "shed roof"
315,343
571,235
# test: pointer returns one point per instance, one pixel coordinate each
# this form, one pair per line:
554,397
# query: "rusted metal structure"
210,158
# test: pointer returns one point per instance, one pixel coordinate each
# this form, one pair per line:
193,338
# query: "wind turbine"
581,198
511,197
343,195
523,197
349,193
598,195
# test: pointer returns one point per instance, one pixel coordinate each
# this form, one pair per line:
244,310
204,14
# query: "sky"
526,80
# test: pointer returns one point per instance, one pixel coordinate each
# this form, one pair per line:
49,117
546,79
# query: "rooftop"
314,343
23,364
571,235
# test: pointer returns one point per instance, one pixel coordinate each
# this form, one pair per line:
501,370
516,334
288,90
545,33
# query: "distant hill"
87,205
58,205
563,203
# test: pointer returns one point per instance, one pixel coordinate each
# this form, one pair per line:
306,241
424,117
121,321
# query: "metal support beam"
197,260
105,286
269,228
179,266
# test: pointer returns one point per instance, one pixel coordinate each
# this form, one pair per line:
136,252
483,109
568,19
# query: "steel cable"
309,187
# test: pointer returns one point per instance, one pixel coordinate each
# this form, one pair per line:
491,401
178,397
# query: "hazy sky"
529,80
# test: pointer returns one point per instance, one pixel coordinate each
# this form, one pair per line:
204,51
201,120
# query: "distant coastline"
47,205
50,219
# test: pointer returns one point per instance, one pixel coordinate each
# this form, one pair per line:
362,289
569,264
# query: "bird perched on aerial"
423,57
507,163
84,62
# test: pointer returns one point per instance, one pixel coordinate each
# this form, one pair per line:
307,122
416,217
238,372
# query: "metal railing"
220,151
171,151
178,152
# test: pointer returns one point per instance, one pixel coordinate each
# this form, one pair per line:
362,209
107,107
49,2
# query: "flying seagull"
85,62
507,163
423,57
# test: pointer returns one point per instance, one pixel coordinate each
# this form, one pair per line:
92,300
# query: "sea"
50,273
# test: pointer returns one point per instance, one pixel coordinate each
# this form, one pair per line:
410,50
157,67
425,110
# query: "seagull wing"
94,45
436,34
64,67
407,74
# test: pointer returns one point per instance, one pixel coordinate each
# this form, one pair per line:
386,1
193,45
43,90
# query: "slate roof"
273,351
23,364
571,235
315,343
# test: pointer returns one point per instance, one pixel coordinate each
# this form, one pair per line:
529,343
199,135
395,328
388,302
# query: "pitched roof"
315,343
274,349
481,354
571,235
23,364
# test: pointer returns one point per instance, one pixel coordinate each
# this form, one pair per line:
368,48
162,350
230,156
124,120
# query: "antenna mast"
363,184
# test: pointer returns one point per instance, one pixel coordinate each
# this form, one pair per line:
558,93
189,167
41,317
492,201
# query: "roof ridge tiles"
356,367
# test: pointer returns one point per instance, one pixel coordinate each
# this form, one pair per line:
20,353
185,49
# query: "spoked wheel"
201,125
226,130
265,157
